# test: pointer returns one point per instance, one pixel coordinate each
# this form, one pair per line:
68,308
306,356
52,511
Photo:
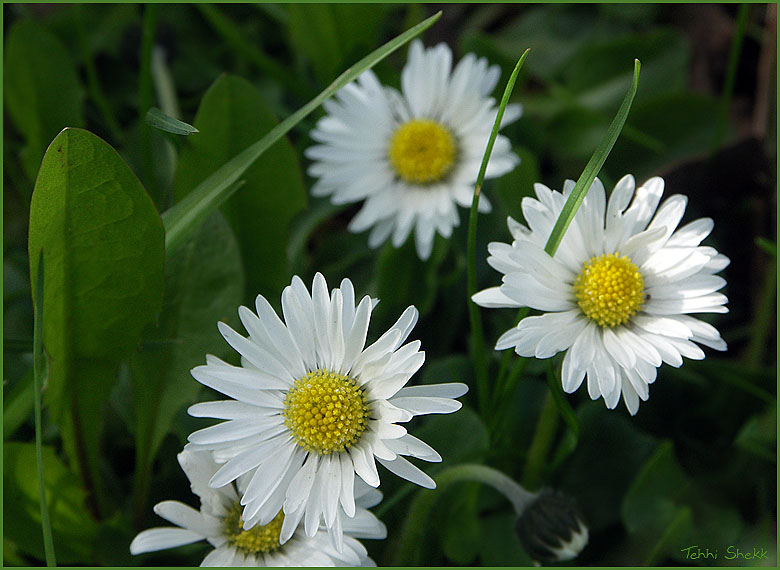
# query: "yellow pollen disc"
257,539
325,411
609,290
422,151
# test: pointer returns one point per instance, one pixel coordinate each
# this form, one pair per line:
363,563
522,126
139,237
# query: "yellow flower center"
325,411
609,290
257,539
422,151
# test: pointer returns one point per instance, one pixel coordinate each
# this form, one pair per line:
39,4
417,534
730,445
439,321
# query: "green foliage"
43,94
232,115
72,526
102,242
166,123
203,285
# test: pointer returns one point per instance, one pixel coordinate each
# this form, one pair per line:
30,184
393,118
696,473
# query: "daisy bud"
551,528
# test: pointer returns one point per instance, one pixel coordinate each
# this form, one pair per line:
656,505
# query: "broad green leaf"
204,284
103,248
403,279
500,545
185,215
163,122
684,124
72,527
460,533
329,34
458,437
43,94
665,510
17,405
609,453
598,73
231,116
759,435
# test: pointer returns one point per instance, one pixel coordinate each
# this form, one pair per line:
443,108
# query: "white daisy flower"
219,522
312,407
411,155
619,292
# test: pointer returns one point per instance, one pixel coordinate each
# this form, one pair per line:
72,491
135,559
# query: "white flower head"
412,155
618,295
219,522
313,406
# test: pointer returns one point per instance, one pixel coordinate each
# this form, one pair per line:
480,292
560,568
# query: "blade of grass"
592,168
477,334
38,370
182,218
145,97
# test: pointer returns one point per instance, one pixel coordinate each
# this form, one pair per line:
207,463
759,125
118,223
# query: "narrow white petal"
406,470
154,539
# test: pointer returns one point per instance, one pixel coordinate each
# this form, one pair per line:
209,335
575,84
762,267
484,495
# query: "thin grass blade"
477,335
593,167
182,218
159,120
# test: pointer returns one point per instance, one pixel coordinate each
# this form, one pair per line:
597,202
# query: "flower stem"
477,334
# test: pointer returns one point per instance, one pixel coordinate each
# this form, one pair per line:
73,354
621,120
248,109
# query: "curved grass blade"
477,335
39,365
592,168
159,120
182,218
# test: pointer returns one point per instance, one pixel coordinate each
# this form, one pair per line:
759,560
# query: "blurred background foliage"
696,466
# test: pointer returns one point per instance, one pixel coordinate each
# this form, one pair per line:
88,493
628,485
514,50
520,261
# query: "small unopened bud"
551,528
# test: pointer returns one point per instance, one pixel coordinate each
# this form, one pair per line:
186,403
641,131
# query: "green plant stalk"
592,168
166,95
731,76
184,217
504,397
537,453
233,37
413,533
38,370
505,385
477,334
93,82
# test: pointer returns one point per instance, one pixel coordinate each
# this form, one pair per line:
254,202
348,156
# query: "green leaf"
403,279
759,434
43,94
457,437
499,545
327,34
185,215
163,122
17,405
103,247
72,527
461,534
666,511
609,453
204,285
232,115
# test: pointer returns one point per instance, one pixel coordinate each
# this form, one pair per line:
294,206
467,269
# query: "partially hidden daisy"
414,155
313,406
618,295
218,521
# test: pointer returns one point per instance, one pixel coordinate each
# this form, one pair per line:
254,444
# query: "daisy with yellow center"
413,155
313,407
618,295
219,521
